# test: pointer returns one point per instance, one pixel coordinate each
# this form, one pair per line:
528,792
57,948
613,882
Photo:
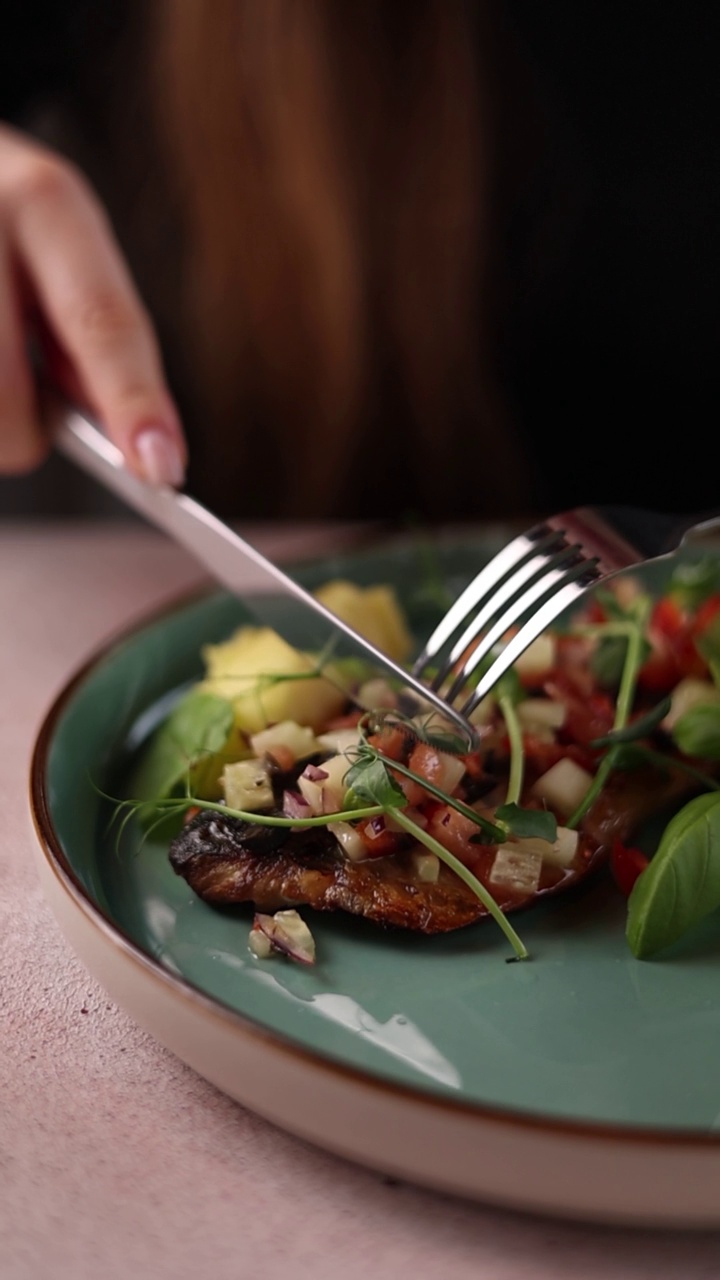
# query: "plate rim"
640,1136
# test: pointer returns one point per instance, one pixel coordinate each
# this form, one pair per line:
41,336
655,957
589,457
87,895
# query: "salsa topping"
315,783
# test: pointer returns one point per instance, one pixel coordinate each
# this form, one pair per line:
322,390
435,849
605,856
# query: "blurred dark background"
607,348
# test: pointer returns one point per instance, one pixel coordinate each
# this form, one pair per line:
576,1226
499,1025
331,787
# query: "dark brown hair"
336,166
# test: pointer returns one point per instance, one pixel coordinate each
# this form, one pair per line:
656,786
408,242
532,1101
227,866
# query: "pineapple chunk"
340,741
246,785
373,611
296,738
236,670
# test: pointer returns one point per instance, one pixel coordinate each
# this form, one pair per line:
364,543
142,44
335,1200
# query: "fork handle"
624,536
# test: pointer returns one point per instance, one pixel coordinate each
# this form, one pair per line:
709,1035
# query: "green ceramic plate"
583,1040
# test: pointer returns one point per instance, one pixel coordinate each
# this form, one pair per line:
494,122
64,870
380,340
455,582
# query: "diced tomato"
594,613
284,758
378,840
349,721
669,662
571,665
541,756
671,633
586,718
413,792
444,771
392,741
475,766
190,813
660,671
668,619
626,864
454,831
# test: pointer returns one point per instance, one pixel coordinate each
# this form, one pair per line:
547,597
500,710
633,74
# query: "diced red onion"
286,938
294,805
375,828
314,774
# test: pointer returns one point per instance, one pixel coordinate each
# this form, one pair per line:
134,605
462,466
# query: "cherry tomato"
626,864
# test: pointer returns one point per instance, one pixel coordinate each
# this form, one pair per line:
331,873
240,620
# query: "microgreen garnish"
517,755
427,727
180,804
366,752
526,823
369,779
632,630
434,846
641,727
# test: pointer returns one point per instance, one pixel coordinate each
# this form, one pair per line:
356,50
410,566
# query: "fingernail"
160,458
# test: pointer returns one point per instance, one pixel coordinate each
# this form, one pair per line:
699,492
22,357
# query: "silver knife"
262,586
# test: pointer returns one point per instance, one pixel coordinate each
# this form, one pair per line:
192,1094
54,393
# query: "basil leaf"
370,781
199,725
697,733
682,883
528,822
640,728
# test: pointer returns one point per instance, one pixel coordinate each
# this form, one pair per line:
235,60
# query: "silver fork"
532,581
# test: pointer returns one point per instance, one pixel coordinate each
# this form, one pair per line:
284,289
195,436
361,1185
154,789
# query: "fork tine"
492,609
554,583
510,558
546,614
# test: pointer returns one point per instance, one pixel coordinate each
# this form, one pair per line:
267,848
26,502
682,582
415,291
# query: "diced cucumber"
564,786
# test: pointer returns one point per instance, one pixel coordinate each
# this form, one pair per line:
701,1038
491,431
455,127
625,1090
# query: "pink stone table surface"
116,1160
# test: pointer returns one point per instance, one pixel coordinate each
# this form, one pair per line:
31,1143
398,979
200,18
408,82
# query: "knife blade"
265,589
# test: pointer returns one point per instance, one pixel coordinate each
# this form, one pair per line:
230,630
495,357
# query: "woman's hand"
62,275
